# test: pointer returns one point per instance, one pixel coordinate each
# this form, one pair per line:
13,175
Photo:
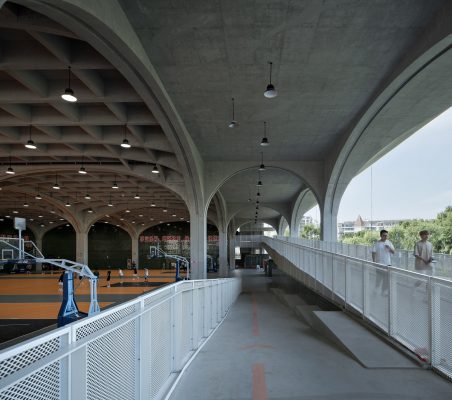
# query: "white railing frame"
73,353
306,264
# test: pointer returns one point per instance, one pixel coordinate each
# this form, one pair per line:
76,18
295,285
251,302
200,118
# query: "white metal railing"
416,310
401,259
132,351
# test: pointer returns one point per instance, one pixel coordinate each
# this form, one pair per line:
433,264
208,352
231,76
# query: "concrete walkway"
262,351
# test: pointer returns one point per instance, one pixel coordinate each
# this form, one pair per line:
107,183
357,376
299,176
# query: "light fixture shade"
127,211
38,197
82,171
265,142
232,124
25,204
30,145
68,95
155,170
165,210
115,186
10,171
125,144
90,210
152,204
68,204
262,167
259,183
87,196
56,186
271,92
110,204
137,196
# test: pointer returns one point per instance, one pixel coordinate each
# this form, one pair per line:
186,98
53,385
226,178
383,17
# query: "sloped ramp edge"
364,346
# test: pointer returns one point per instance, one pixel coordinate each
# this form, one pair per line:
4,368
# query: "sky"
414,180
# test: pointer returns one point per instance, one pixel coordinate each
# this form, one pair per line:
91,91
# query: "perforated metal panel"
161,351
111,365
355,284
28,357
105,321
410,312
42,385
442,321
186,322
339,277
377,301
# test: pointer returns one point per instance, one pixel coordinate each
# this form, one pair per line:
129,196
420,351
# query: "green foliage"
363,237
405,234
310,231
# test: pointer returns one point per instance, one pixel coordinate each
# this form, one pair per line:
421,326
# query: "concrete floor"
262,351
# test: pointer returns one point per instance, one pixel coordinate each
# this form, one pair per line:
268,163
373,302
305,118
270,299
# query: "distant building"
361,224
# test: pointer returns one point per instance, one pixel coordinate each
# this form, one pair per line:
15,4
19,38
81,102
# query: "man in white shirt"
381,253
423,253
382,250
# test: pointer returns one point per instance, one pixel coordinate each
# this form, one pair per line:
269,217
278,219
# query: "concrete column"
223,252
198,244
81,247
232,251
135,252
329,226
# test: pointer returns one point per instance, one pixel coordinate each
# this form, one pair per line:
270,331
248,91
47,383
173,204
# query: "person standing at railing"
381,254
423,253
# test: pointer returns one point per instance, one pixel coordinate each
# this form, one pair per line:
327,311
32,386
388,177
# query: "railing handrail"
411,307
76,346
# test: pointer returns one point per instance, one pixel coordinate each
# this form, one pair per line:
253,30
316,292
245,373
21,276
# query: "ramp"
367,348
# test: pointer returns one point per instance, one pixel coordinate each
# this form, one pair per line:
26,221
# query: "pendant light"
259,182
55,185
233,122
137,196
115,185
265,141
30,144
87,196
125,143
38,196
68,94
90,210
155,170
82,170
10,170
110,204
271,91
262,166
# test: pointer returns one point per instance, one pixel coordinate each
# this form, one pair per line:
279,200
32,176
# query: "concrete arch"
302,204
225,174
105,27
268,222
58,207
247,207
283,224
406,102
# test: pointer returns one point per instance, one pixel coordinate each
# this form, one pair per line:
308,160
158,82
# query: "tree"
310,231
406,233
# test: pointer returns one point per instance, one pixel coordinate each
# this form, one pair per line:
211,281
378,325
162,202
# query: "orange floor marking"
259,385
255,320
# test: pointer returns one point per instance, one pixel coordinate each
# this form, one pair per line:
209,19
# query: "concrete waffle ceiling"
35,55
